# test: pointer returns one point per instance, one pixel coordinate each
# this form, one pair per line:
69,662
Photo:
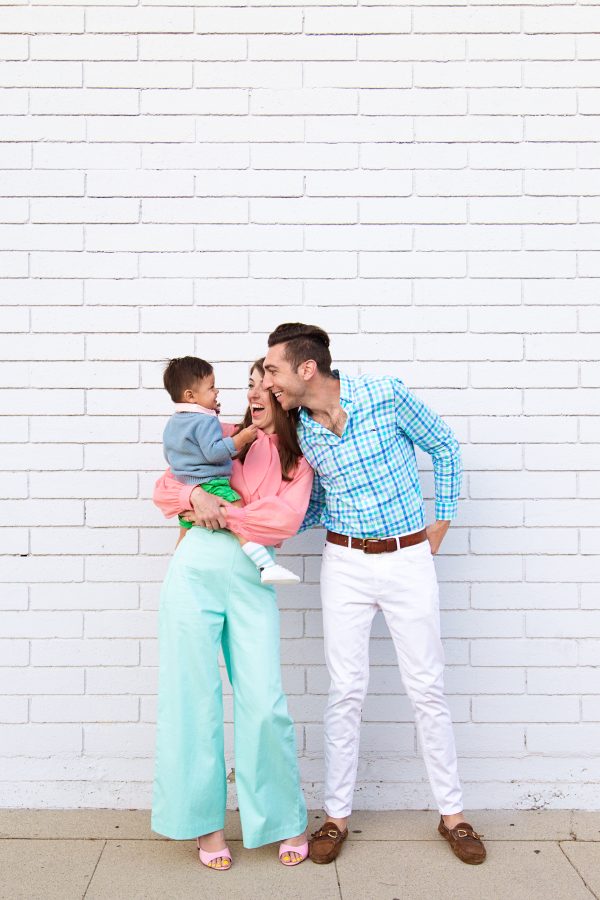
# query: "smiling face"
288,387
259,401
204,393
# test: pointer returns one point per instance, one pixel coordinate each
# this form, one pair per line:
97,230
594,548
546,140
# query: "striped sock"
258,554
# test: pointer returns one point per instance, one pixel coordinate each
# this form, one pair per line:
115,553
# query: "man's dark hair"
182,373
303,342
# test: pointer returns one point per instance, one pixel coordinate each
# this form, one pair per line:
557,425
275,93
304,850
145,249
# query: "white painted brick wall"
422,181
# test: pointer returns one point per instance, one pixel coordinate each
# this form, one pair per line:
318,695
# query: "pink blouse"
274,508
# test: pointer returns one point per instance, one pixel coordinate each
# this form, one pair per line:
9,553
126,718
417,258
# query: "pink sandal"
302,849
206,857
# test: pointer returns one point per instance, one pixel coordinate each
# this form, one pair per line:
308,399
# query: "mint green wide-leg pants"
212,597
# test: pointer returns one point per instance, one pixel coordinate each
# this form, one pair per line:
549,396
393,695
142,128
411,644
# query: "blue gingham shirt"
366,481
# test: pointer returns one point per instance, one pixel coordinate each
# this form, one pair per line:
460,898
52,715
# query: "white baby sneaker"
278,575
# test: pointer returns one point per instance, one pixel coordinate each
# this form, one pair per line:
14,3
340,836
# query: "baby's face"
205,393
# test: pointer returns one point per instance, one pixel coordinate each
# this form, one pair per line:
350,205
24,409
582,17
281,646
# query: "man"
358,434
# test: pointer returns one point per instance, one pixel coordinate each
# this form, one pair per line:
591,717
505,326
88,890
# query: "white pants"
403,584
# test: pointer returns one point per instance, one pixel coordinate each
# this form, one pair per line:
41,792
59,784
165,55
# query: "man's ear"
307,369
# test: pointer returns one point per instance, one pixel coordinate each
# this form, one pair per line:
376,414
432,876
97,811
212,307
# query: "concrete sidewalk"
112,855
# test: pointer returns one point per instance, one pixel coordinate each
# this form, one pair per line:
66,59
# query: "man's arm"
316,505
429,432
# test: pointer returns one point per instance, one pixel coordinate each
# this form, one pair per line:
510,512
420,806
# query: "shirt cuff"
446,510
230,446
184,496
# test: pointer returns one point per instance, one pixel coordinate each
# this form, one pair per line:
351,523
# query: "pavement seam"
337,876
572,864
94,872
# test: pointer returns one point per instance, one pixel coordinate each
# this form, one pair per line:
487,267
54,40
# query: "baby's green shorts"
220,487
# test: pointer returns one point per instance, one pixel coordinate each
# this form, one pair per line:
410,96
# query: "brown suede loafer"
465,842
326,843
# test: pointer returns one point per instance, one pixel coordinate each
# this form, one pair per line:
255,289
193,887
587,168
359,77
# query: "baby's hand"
245,436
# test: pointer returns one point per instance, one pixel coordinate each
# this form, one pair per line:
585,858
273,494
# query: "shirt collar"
194,408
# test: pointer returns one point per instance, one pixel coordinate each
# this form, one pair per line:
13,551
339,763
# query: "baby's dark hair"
182,373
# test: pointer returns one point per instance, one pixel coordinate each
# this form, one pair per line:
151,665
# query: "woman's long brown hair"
285,429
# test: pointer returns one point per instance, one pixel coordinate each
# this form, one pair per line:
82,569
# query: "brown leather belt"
377,545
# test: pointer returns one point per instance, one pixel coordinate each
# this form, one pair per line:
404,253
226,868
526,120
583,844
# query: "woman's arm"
172,497
272,519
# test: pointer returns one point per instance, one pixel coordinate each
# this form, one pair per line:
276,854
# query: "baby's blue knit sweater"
195,448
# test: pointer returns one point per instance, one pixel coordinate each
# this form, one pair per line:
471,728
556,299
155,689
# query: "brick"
523,595
519,429
84,596
563,624
475,739
140,21
121,739
83,265
83,47
30,568
207,156
526,652
192,46
475,347
28,512
140,184
292,47
562,739
524,540
524,374
14,210
83,541
557,21
84,709
523,210
563,568
80,429
14,709
84,101
32,680
202,101
86,156
303,102
573,512
525,709
85,652
42,20
72,375
521,484
479,20
43,457
357,21
39,740
141,129
584,679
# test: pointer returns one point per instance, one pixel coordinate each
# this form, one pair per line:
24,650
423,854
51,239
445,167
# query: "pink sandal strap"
206,857
301,849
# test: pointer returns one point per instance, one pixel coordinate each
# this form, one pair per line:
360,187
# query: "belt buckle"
366,542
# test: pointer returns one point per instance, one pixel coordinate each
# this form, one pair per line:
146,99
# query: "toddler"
198,453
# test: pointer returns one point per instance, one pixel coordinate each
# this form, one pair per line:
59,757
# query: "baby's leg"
270,572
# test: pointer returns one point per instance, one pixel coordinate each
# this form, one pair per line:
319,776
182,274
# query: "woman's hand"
207,509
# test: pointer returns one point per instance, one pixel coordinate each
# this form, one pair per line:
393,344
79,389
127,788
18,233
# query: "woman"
212,597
